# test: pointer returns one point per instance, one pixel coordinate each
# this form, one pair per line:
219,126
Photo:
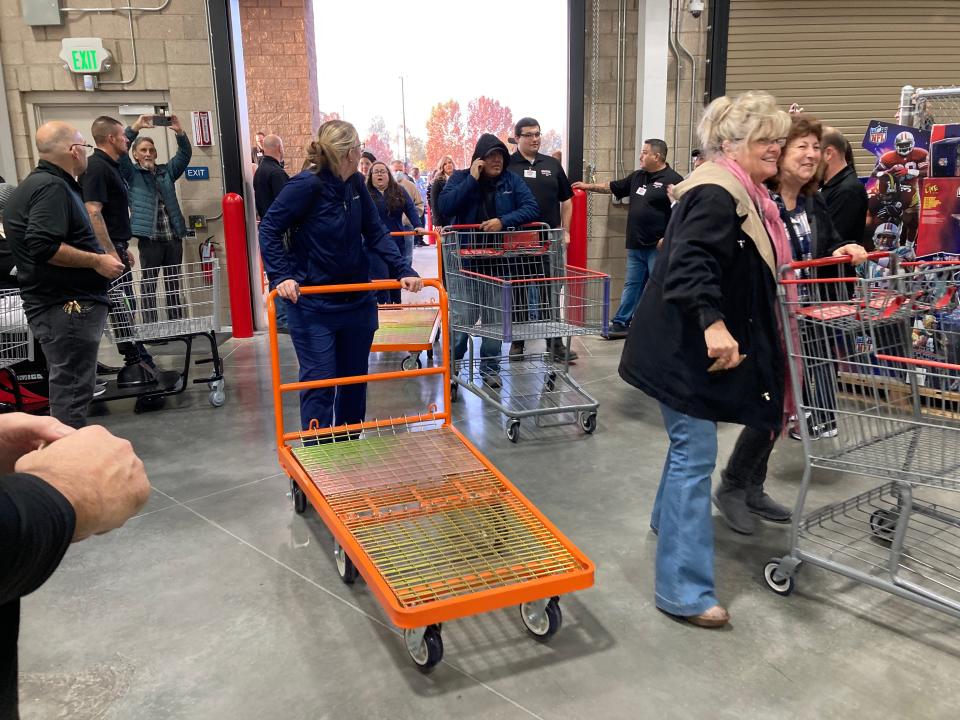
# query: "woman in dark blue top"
333,226
393,203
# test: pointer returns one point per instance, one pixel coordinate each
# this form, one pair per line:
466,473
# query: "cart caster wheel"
146,404
411,362
550,382
217,398
425,646
513,430
783,586
588,422
454,391
883,523
299,498
345,567
542,618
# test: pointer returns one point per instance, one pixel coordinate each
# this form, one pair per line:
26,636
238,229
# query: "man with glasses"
548,182
647,221
62,269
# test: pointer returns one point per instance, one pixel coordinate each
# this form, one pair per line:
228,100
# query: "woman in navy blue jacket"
392,203
333,225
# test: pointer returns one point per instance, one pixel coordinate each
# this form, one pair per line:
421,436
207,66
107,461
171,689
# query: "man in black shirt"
548,182
62,270
268,181
647,220
105,197
845,195
57,486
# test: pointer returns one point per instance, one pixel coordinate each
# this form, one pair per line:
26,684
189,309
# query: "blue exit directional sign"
198,173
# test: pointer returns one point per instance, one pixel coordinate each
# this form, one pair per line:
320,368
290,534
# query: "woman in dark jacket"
332,221
812,235
705,341
443,172
392,203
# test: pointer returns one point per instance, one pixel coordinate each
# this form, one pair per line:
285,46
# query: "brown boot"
714,617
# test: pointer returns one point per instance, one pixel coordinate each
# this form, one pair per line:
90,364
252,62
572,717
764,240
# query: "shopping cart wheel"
299,498
346,568
411,362
542,618
513,429
778,583
588,422
883,524
425,646
216,398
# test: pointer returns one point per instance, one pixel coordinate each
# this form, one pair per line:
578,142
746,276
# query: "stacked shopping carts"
876,372
515,285
170,303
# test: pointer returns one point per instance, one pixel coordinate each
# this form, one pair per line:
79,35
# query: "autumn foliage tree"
445,134
486,115
550,142
379,146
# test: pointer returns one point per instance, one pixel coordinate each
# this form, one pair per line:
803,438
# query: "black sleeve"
829,239
277,180
47,222
36,526
703,235
93,185
564,189
621,188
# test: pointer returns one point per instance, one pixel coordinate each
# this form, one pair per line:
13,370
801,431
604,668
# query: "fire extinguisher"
208,253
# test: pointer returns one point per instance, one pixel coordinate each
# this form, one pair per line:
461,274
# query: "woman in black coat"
812,235
443,172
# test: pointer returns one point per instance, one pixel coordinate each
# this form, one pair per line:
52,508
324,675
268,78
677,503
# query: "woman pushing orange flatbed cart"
436,531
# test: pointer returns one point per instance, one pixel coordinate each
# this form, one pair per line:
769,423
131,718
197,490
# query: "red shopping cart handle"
533,225
839,260
918,362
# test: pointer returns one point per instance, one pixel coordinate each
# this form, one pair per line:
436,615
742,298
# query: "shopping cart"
515,285
435,530
16,343
879,385
162,304
410,328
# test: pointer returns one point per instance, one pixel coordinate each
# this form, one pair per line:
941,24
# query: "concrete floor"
217,601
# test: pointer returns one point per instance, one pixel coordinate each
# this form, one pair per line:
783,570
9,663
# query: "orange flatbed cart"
435,530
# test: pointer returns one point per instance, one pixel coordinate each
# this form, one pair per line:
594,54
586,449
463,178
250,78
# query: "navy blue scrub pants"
328,345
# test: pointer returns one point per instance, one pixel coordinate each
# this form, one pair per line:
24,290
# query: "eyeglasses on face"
530,135
83,145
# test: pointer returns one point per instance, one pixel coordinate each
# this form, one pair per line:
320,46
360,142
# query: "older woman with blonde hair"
706,342
333,224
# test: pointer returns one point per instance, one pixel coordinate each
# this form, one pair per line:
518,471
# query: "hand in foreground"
109,266
21,433
493,225
289,290
411,284
857,253
98,473
722,346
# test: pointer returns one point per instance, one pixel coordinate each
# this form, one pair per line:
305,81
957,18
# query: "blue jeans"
681,516
490,351
639,269
328,345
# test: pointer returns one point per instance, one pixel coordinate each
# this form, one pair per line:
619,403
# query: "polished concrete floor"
218,601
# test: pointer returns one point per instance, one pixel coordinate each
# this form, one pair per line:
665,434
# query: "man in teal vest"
155,216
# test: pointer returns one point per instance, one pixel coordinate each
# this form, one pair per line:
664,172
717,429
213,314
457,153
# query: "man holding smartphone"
155,216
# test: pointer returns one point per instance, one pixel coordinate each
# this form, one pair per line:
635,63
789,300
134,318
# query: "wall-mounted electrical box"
41,12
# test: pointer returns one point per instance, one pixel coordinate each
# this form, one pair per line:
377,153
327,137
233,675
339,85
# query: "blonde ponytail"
335,138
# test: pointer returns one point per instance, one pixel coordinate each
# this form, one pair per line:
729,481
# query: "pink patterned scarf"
770,215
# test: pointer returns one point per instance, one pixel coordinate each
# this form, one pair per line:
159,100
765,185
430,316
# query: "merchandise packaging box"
939,216
945,158
941,132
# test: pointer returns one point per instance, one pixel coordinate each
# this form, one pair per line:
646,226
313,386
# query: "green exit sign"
84,55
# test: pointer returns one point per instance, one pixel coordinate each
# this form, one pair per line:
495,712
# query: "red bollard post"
577,252
238,267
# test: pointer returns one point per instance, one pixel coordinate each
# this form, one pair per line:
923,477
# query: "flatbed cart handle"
919,363
279,388
838,260
405,233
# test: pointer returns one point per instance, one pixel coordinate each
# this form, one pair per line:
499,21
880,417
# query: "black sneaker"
616,331
516,350
492,380
558,351
107,369
99,388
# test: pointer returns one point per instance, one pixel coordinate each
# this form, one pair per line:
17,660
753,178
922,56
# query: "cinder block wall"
280,65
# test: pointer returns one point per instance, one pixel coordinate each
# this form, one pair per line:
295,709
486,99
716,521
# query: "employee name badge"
529,173
642,190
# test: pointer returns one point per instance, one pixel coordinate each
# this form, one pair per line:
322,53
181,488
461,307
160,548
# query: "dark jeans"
70,341
329,345
155,255
747,466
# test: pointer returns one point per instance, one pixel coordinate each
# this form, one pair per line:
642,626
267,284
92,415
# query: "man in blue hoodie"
494,200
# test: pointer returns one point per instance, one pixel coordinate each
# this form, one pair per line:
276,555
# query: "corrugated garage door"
843,60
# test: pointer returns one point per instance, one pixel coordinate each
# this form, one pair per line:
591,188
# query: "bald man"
62,269
268,181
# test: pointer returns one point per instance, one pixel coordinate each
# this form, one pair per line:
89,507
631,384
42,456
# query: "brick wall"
281,72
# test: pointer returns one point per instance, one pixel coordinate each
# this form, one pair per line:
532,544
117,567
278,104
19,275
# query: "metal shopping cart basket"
16,342
515,285
410,328
162,304
435,530
878,383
